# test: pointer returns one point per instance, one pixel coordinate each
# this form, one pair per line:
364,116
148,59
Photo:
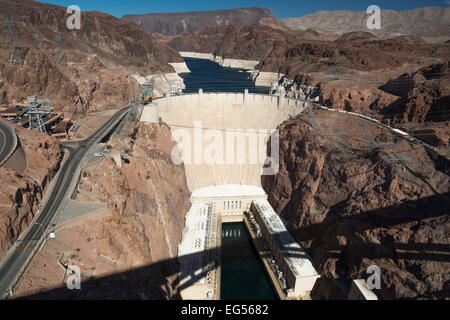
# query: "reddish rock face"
79,70
424,95
351,206
21,191
292,53
129,250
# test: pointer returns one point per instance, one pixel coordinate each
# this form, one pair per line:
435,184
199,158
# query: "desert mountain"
427,22
88,69
350,208
424,95
172,24
291,53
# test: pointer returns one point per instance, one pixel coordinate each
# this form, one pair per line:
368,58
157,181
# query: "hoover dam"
233,121
227,141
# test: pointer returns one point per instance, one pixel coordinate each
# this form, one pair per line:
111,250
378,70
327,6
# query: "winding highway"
18,257
8,141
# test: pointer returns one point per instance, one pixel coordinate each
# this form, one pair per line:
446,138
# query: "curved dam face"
223,137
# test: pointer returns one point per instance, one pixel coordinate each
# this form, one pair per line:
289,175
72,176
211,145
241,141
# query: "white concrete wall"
242,64
180,67
265,79
150,114
197,55
231,63
163,81
225,113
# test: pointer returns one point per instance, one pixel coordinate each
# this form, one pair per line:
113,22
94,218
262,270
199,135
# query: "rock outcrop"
355,196
22,190
82,70
129,251
291,53
424,95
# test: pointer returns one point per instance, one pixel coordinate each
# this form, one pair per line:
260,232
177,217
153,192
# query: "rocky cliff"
128,251
175,24
424,95
355,196
293,53
22,190
79,70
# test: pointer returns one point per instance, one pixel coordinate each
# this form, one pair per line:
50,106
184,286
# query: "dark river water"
212,77
243,276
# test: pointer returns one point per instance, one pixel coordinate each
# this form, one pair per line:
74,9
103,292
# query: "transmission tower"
134,114
18,51
37,110
60,57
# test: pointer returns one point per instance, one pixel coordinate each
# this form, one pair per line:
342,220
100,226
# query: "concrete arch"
231,116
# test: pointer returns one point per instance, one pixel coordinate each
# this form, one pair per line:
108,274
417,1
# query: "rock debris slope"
82,70
128,251
355,196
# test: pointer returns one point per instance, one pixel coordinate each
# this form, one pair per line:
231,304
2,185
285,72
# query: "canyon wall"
81,71
127,251
36,162
428,21
355,196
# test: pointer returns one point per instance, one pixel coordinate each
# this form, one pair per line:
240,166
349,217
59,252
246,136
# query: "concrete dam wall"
223,137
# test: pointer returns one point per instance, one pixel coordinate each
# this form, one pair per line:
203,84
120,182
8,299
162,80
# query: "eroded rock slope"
354,196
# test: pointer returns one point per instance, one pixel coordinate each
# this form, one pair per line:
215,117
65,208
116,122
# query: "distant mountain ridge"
180,23
426,22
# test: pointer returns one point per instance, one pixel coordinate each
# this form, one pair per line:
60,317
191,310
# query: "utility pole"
145,97
37,110
18,51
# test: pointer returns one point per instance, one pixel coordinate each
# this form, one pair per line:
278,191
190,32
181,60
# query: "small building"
13,112
61,130
295,267
230,201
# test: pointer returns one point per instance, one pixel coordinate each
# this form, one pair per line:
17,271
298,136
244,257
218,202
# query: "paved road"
14,263
7,141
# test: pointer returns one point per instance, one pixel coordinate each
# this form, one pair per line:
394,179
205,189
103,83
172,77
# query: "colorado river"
212,77
243,276
242,273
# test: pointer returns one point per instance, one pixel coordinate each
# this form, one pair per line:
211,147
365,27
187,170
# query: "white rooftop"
229,190
297,258
192,247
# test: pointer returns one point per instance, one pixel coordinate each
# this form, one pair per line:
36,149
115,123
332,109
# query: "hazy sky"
281,8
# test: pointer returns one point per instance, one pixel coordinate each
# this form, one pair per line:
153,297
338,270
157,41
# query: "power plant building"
295,265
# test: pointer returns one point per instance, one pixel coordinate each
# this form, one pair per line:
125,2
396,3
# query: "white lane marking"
3,144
